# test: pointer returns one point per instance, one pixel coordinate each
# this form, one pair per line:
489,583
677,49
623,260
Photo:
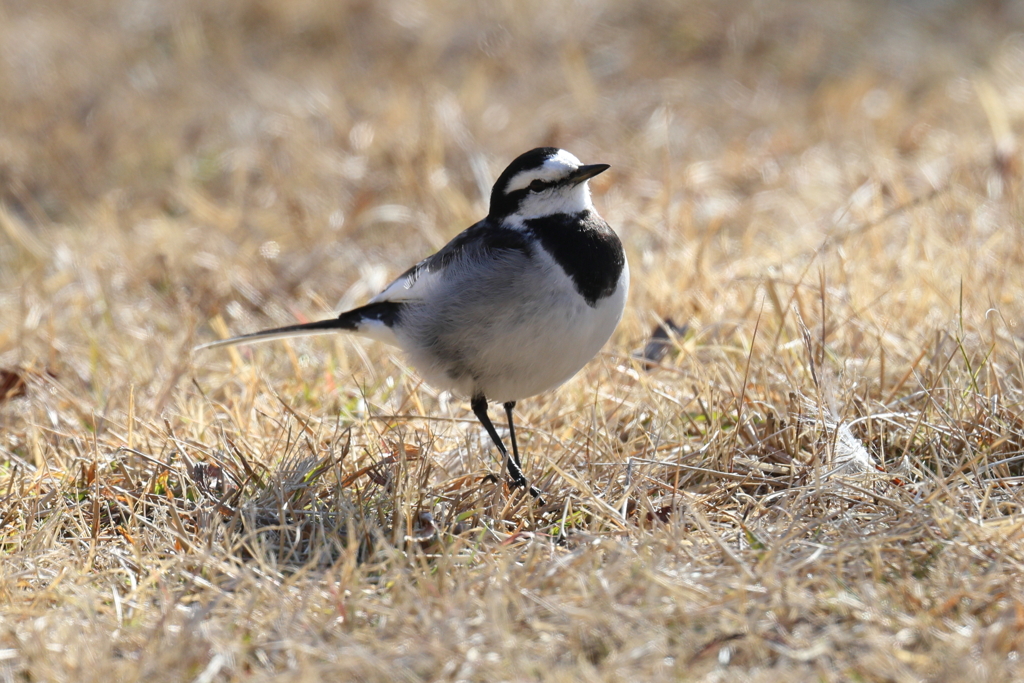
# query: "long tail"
374,320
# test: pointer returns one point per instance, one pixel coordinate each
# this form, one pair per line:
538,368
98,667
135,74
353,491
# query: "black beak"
587,172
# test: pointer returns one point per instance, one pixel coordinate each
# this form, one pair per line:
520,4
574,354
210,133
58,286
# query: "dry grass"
828,193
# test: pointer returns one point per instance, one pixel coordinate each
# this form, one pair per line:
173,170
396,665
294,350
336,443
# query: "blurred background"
165,165
827,192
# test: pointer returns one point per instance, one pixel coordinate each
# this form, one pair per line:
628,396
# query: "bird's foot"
521,483
515,483
517,480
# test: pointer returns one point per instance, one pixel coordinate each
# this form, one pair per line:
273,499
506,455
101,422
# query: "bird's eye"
538,185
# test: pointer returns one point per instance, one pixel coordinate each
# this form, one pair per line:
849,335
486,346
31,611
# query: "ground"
816,477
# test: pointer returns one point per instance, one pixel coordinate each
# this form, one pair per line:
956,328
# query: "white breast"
534,334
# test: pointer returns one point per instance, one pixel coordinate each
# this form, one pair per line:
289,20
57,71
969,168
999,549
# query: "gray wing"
483,241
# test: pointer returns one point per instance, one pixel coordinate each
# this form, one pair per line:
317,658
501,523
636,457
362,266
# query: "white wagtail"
513,306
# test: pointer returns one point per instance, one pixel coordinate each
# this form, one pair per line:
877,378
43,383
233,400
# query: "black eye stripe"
538,185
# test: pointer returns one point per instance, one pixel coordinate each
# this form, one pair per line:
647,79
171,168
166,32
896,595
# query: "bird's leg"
516,475
479,406
512,466
518,465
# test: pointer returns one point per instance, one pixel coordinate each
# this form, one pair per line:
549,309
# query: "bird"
513,306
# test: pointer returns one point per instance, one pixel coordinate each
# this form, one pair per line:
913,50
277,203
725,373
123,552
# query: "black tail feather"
387,312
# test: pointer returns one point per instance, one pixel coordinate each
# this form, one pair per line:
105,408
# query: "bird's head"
543,182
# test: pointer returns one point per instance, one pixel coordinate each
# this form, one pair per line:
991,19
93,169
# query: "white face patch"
554,168
558,199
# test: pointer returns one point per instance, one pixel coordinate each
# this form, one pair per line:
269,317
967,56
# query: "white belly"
530,342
